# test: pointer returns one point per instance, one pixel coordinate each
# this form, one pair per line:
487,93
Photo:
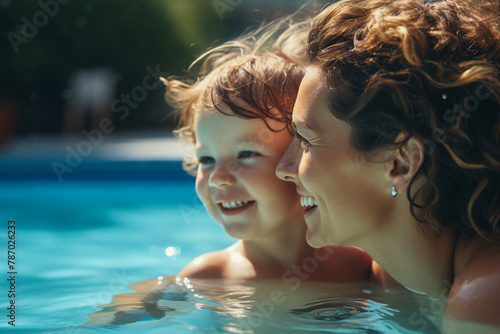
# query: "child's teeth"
233,204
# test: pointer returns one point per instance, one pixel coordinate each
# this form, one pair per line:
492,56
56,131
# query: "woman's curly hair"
255,76
430,70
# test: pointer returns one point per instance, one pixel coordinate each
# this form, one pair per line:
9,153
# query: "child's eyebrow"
244,140
255,140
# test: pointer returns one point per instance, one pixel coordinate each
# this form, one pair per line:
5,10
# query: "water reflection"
336,309
352,315
265,307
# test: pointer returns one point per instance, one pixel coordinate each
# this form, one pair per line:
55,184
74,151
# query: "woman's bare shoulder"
475,294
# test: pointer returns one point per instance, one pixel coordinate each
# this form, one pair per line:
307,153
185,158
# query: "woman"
397,144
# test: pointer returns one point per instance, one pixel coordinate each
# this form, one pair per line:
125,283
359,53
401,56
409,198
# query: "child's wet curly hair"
255,76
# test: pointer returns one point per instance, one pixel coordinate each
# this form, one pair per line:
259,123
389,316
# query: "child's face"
236,180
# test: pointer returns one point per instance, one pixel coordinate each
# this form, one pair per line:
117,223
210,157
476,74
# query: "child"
236,114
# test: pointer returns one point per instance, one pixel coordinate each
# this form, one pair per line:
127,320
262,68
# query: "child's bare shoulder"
209,266
229,263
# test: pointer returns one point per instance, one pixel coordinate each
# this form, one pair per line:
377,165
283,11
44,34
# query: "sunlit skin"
237,159
355,206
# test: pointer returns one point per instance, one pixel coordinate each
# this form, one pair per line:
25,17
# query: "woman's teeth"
308,201
233,205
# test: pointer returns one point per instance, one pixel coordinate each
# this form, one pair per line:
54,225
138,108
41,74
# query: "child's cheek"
201,185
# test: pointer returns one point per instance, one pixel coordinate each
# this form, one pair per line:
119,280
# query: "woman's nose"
222,175
287,167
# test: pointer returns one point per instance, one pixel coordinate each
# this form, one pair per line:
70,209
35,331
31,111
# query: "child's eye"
248,154
303,142
206,160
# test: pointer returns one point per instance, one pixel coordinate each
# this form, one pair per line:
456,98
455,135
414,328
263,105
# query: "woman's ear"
405,163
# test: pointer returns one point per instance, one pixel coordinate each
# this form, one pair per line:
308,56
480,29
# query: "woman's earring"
394,192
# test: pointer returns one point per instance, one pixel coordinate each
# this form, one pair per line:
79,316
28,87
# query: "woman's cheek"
305,171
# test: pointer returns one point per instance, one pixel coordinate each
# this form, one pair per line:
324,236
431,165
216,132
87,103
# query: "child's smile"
234,207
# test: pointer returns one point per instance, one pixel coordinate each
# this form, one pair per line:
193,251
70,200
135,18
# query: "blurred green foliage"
122,35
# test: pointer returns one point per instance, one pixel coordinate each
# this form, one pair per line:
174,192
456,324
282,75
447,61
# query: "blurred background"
66,65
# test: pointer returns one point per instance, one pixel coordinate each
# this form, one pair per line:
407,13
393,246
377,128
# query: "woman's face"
351,193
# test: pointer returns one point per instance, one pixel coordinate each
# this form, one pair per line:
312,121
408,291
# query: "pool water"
211,306
89,253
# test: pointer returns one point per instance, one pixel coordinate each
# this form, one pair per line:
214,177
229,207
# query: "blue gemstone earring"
394,192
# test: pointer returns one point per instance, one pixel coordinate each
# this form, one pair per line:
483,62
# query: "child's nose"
287,167
222,176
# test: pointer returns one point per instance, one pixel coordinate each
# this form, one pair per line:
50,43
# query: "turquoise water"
89,252
81,242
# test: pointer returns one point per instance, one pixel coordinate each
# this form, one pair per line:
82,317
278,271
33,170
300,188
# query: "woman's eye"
303,142
206,160
248,154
